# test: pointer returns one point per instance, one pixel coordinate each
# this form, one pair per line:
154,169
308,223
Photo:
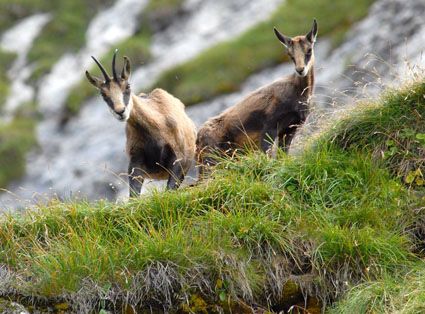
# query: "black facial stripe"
108,101
126,96
307,58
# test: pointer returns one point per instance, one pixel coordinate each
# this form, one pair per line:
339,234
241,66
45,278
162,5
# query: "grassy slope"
11,11
228,64
332,218
16,139
6,59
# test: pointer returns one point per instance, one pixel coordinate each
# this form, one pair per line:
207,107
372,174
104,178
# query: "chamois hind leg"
176,176
135,179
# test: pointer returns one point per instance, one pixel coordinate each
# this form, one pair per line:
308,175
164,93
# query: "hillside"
339,227
209,53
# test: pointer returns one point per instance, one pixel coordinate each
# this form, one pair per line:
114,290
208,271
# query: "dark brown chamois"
160,136
270,114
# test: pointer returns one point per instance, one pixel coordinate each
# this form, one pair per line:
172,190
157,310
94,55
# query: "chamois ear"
126,70
311,36
286,41
93,80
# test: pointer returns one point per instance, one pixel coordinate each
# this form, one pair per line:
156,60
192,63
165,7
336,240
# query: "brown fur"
160,136
164,116
271,113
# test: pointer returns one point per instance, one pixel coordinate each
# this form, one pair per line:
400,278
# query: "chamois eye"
128,86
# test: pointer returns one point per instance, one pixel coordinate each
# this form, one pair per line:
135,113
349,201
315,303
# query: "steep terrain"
81,159
261,234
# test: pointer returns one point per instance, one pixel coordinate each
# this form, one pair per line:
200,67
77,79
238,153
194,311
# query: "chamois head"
114,90
300,49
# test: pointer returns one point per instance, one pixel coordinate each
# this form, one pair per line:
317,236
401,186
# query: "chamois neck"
141,114
306,83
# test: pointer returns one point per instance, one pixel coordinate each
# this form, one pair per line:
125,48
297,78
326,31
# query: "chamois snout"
114,90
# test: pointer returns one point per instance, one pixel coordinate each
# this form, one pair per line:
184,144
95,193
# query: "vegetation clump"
6,59
16,139
260,233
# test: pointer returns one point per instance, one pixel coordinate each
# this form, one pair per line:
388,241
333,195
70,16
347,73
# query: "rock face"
88,155
387,45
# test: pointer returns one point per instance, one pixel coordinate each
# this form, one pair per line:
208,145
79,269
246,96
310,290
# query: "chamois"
270,114
160,136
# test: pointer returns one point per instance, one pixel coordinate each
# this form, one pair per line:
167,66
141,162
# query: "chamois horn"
105,74
114,70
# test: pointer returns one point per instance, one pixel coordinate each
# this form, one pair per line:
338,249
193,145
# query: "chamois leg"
285,138
267,140
176,177
135,179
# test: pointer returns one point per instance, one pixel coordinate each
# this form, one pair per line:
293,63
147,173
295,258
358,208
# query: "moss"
16,139
222,68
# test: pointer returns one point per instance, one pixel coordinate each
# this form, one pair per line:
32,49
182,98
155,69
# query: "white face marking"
126,115
306,68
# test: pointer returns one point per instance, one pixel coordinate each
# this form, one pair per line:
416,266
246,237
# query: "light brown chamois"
160,136
271,113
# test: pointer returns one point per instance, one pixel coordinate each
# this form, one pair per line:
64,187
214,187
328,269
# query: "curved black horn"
105,74
114,70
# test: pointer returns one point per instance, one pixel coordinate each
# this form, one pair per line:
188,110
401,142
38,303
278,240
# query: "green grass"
404,294
6,59
222,68
16,139
393,133
335,217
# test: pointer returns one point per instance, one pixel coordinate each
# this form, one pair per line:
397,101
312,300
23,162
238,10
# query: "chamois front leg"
177,175
267,139
286,136
135,178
